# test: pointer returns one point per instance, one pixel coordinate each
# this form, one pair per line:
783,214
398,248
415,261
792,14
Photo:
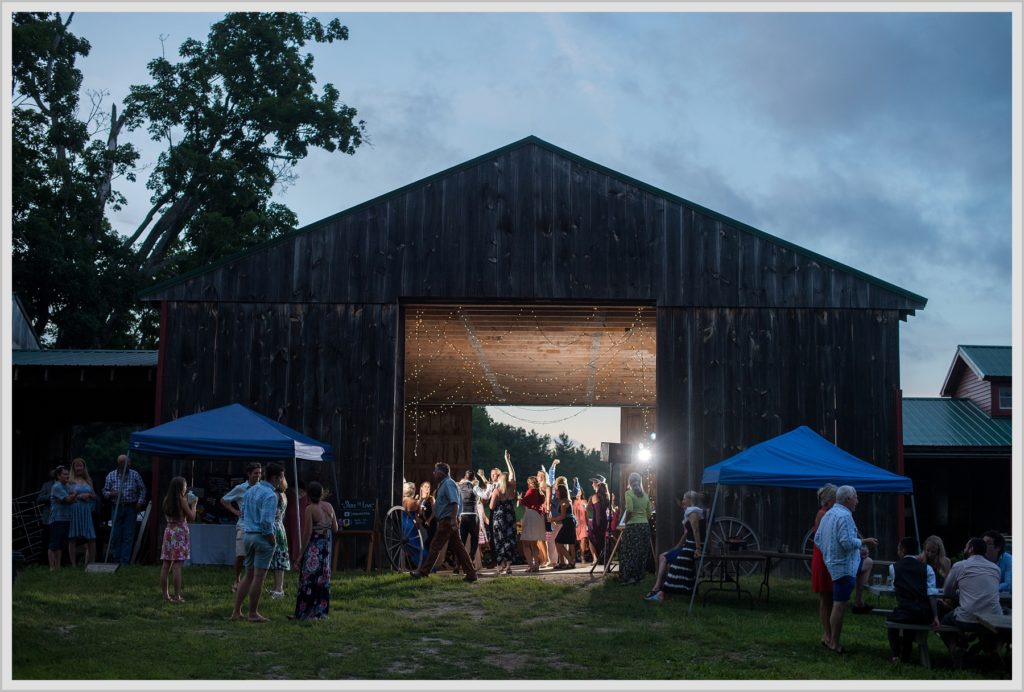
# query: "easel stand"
374,536
609,558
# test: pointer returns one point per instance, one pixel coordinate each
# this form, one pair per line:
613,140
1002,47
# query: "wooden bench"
921,634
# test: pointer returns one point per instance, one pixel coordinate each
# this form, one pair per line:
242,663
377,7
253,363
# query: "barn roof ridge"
576,158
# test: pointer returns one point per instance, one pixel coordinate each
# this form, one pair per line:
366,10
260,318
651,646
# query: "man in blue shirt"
996,552
839,544
125,489
260,540
447,508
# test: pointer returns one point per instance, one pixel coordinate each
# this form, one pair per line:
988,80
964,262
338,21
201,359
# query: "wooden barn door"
437,434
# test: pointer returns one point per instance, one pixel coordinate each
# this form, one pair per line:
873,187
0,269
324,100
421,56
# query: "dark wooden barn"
530,275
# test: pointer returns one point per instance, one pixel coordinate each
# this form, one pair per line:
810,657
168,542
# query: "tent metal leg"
917,530
298,513
700,563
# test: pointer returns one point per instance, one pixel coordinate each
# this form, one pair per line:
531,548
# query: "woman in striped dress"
677,568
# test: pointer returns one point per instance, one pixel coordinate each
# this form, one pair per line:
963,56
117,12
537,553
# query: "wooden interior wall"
636,423
437,434
730,378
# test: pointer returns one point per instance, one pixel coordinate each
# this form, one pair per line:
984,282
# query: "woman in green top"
636,541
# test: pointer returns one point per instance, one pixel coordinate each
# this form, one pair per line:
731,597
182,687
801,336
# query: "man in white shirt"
237,495
974,583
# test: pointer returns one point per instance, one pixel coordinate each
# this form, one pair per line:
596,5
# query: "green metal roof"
531,139
83,358
989,361
945,422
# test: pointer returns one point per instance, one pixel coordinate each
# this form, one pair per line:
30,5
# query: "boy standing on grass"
237,494
258,521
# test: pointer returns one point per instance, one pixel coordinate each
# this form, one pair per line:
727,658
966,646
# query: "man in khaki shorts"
260,541
237,494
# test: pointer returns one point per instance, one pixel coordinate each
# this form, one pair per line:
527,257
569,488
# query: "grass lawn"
70,624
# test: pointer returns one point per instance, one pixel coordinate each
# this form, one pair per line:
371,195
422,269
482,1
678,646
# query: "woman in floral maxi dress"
503,519
319,524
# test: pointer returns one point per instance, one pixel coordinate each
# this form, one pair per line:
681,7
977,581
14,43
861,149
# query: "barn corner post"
157,414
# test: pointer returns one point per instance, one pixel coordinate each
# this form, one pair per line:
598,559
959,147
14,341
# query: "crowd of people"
71,504
560,527
929,590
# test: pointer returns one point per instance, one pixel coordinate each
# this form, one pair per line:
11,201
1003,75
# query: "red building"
957,448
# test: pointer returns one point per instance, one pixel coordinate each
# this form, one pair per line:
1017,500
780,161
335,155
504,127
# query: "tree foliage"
530,450
235,114
67,261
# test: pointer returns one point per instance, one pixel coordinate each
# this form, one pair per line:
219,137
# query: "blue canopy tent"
230,431
802,459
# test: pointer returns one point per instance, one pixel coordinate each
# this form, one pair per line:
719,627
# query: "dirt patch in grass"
444,612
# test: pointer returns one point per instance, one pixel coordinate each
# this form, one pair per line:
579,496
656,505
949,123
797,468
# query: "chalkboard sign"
356,515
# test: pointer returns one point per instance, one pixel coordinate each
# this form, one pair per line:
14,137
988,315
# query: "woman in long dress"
313,600
599,504
821,580
677,568
636,541
281,561
503,519
82,527
179,508
579,511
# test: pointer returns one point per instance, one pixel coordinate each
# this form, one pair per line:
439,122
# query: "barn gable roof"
658,216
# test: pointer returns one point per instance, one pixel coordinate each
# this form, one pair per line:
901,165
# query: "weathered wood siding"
433,435
529,222
976,389
730,378
328,371
754,336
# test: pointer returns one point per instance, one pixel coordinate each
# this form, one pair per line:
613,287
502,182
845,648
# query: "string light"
577,385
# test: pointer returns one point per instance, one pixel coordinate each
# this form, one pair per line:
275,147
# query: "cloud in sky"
882,140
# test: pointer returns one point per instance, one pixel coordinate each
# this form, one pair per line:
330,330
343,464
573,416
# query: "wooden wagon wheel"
807,548
731,535
404,540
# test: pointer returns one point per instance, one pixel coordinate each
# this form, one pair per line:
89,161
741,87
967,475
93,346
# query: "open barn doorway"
458,357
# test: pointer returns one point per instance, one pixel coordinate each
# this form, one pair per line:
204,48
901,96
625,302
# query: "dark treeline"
529,450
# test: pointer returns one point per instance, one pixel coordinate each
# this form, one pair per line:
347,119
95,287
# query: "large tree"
66,259
235,114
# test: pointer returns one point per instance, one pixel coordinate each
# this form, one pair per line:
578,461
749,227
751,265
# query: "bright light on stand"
643,453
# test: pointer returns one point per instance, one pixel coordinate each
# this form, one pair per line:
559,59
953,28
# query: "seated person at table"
974,581
997,553
915,604
934,555
863,579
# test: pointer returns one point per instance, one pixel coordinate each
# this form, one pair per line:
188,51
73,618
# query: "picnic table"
724,573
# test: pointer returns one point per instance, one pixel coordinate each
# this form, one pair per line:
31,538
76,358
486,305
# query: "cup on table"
876,579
